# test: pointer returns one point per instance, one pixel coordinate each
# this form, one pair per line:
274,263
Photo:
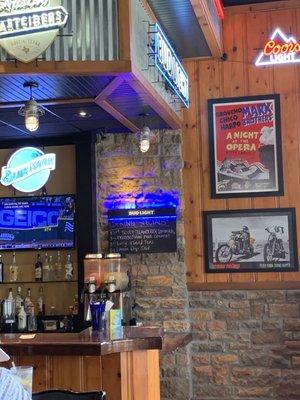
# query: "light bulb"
145,139
32,122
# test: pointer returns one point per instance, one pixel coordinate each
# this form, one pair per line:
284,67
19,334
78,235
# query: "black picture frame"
269,245
245,146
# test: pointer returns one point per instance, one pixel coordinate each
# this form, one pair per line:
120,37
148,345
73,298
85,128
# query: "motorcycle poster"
250,240
245,146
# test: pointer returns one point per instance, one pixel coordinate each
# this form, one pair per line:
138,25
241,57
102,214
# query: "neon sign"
28,27
170,67
28,169
280,49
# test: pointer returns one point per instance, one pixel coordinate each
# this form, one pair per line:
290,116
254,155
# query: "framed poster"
251,240
245,146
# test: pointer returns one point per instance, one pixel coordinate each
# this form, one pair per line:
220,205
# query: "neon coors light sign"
28,27
280,49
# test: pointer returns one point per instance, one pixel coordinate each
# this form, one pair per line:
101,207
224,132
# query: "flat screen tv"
45,222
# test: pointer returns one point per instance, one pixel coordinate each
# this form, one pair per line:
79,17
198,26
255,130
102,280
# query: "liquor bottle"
75,305
38,269
28,302
51,269
40,302
22,319
13,269
9,308
46,269
69,269
19,300
58,267
1,270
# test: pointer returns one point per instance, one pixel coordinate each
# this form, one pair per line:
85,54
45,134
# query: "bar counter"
124,363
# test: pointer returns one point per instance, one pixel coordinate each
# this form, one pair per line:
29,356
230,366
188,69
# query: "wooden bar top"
85,343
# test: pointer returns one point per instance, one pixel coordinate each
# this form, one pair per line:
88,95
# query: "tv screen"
45,222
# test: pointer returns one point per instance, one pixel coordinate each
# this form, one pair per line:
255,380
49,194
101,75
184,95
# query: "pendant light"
31,110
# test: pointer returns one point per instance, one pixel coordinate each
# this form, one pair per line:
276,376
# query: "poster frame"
274,213
279,190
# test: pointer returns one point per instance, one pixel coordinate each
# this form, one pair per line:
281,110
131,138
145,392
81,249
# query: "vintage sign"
245,146
149,230
280,49
28,169
170,67
28,27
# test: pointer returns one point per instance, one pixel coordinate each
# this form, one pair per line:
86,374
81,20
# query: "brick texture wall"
246,344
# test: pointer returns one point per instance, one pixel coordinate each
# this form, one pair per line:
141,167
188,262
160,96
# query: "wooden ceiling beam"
97,68
118,116
212,36
101,101
146,91
53,102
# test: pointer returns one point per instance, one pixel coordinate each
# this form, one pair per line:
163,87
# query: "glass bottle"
22,319
13,269
58,267
51,269
40,302
9,308
46,269
38,269
32,320
69,269
19,300
52,310
28,302
1,270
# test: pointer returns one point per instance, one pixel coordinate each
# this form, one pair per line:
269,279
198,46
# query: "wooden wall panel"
244,35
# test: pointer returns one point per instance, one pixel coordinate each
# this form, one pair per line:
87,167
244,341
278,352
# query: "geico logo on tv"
27,218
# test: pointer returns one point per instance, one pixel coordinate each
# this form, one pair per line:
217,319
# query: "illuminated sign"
280,49
170,67
28,27
28,169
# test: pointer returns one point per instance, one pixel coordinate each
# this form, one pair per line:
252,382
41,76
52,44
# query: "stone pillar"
127,176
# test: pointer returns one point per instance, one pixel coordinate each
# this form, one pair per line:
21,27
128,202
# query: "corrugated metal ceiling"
180,23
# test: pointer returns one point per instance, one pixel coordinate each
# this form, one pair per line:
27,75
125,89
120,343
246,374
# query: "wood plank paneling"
244,35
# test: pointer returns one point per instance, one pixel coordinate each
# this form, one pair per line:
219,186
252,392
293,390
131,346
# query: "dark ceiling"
63,97
228,3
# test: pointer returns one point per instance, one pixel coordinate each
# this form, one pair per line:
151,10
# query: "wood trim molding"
109,89
124,21
140,84
271,6
53,102
118,116
149,10
205,21
215,286
97,68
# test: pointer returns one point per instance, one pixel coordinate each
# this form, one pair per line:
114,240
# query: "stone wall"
245,345
128,177
239,349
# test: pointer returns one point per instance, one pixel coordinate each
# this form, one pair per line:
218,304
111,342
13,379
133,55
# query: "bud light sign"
28,169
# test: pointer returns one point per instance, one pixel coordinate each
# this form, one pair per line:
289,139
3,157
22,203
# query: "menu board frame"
149,219
245,146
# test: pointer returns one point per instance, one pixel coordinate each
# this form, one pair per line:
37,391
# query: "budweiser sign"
280,49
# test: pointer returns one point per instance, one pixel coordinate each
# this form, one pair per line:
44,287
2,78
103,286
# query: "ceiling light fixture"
145,139
83,114
31,110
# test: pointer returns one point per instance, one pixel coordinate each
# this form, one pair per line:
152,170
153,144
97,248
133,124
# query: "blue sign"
28,169
170,67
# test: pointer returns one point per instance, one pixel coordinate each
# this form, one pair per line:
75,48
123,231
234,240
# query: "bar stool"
68,395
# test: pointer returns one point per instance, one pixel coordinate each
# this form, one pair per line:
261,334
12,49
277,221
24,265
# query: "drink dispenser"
107,275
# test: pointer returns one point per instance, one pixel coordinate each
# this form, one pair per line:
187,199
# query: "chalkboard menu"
148,230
